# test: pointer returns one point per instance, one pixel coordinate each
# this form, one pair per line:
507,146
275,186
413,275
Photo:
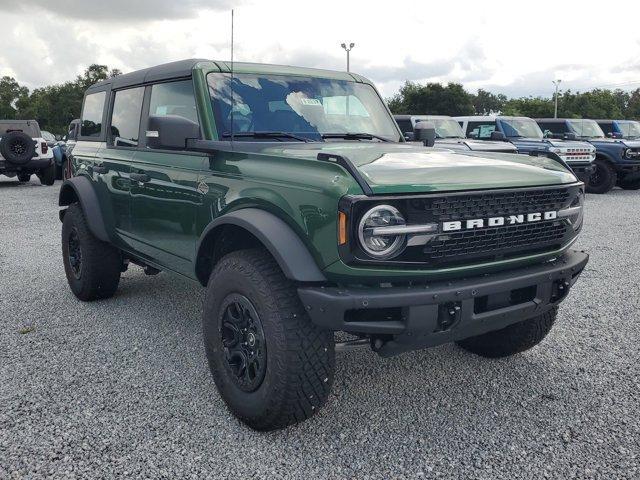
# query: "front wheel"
631,184
271,365
603,178
513,339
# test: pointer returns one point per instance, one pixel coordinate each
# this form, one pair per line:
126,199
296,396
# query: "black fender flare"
277,236
79,189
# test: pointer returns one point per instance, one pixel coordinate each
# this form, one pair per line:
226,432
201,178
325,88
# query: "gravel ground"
120,388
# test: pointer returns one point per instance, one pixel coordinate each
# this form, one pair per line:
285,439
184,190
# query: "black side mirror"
425,132
409,136
170,132
570,136
499,136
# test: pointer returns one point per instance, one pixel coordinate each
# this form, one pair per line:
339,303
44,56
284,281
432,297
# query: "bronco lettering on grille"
475,223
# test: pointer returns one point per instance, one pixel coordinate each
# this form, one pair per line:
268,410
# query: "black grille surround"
472,246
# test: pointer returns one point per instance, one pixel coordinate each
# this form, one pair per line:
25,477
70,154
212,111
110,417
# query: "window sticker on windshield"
311,101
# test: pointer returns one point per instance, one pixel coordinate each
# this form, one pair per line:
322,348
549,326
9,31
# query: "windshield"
49,137
629,129
306,107
521,127
586,128
447,128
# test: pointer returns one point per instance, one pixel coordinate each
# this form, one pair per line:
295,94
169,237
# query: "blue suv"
617,160
527,137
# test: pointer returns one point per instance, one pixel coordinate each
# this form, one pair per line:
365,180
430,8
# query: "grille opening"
374,315
488,303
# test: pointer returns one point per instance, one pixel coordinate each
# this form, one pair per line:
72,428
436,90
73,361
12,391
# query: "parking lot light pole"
348,49
556,83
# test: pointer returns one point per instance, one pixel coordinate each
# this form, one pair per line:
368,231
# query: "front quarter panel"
304,193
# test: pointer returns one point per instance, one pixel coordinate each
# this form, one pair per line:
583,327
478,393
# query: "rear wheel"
603,178
631,184
513,339
272,366
91,265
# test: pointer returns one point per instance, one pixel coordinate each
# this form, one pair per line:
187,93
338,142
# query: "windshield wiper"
355,136
265,134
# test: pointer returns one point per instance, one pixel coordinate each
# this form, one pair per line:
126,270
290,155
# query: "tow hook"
559,290
448,315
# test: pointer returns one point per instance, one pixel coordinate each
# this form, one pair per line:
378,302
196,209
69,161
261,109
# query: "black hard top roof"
554,120
166,71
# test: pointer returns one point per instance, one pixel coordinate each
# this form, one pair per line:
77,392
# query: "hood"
406,168
615,141
568,143
478,145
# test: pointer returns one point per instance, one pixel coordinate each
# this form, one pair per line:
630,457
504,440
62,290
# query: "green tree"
10,92
486,103
534,107
432,99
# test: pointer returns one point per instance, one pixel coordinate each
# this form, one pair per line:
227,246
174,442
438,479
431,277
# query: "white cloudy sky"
514,47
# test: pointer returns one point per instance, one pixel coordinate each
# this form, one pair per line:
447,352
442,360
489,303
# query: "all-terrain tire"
633,184
47,175
603,179
513,339
300,357
100,264
24,177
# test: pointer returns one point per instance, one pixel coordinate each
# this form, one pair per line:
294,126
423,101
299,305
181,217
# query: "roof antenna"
232,102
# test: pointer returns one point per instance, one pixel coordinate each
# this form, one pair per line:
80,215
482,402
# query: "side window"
557,128
607,127
480,130
92,115
405,126
125,119
175,98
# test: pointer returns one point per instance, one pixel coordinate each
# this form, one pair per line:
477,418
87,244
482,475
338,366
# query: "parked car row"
601,160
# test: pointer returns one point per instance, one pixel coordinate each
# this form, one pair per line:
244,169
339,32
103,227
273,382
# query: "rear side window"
92,115
175,98
125,119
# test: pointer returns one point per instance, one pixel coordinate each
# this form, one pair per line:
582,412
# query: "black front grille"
517,237
490,243
482,205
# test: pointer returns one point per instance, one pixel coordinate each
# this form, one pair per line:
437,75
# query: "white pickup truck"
23,152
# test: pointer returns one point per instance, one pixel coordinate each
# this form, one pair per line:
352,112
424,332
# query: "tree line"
55,106
452,99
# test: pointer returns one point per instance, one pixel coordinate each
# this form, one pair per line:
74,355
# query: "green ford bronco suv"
291,196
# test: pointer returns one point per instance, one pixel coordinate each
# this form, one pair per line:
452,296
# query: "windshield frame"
626,126
436,121
507,121
572,124
379,112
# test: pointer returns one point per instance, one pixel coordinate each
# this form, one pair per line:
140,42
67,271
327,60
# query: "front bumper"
414,317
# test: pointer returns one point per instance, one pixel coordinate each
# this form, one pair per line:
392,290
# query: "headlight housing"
374,240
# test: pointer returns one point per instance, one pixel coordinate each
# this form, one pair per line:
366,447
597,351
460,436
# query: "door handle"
99,169
140,177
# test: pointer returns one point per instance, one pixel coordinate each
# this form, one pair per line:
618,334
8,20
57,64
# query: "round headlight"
627,152
373,239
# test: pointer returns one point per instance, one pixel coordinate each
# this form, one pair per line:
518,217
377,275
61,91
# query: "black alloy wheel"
75,254
243,342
